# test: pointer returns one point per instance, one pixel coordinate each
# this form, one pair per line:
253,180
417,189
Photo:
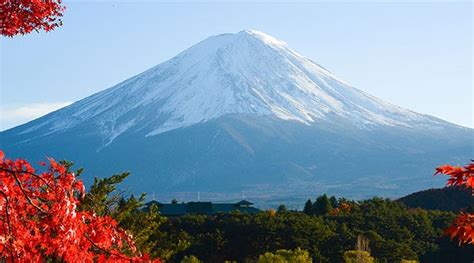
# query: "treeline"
447,199
328,230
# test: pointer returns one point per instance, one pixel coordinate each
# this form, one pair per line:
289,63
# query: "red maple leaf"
463,226
39,219
19,17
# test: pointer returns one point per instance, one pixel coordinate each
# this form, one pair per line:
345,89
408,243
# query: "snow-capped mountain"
244,73
245,85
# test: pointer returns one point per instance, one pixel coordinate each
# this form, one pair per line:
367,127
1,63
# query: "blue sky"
415,55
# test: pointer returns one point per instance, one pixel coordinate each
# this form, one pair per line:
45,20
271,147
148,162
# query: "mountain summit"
245,73
239,91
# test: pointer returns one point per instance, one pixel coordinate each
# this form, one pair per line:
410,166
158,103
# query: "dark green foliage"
446,199
333,201
308,207
103,199
393,231
282,208
322,205
239,236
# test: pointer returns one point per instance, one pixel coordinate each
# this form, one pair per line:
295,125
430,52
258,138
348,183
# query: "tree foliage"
322,205
104,198
40,218
463,226
450,198
308,207
19,17
99,225
394,232
357,256
190,259
286,256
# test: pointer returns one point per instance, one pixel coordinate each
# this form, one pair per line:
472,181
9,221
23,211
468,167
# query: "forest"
328,229
49,215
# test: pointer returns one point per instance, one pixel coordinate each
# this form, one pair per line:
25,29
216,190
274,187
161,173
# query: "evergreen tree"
282,208
104,199
322,205
308,207
333,201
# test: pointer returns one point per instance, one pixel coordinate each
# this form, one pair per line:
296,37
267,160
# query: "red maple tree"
19,17
40,220
463,226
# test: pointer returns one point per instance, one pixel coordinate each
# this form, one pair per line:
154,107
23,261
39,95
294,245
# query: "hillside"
446,199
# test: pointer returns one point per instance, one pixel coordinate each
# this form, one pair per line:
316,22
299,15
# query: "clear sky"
415,55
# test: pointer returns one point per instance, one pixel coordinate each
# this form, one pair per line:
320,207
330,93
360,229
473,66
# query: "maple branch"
105,250
25,172
22,230
26,194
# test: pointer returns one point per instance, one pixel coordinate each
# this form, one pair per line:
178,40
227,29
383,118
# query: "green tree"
357,256
102,196
322,205
104,199
286,256
190,259
282,208
308,207
270,258
333,201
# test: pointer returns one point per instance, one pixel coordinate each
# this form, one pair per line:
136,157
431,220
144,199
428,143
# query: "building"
204,208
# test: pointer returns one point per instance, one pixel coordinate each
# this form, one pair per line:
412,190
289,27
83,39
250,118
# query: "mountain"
244,112
447,199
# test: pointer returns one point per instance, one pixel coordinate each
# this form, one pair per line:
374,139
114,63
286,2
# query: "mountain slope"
446,199
244,111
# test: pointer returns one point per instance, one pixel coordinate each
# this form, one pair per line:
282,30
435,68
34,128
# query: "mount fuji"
244,112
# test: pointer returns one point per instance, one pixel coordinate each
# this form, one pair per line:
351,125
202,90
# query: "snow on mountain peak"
248,72
263,37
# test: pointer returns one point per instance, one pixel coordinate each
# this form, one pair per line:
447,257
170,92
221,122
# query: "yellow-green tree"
357,256
286,256
190,259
